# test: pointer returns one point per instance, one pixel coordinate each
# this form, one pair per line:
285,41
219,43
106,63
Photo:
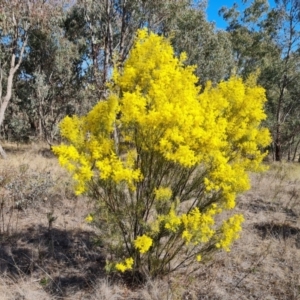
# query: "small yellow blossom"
143,243
197,226
230,232
89,218
171,220
126,265
163,194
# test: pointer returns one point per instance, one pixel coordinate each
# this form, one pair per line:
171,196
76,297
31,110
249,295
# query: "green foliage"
26,188
268,39
18,22
49,88
69,57
207,48
161,160
251,45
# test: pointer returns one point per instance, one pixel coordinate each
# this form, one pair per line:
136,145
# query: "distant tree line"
56,57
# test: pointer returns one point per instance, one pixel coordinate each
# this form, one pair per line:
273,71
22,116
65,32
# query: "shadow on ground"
63,261
279,231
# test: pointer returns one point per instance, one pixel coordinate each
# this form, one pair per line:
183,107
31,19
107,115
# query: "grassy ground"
47,251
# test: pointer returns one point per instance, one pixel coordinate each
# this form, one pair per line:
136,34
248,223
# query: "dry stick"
57,286
11,211
17,221
169,284
253,265
2,215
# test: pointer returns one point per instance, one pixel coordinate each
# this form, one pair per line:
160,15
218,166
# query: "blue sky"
215,5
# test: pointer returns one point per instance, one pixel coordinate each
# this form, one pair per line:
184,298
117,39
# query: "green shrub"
162,159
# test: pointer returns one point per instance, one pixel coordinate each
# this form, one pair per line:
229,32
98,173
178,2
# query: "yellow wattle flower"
143,243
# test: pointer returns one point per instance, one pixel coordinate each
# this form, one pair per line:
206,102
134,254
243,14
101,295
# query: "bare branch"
21,53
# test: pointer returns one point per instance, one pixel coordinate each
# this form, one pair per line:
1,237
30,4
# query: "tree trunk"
278,138
295,151
2,152
277,152
7,98
291,143
13,69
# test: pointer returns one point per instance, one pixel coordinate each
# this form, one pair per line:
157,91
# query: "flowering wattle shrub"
162,159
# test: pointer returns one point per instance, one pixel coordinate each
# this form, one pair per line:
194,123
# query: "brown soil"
47,251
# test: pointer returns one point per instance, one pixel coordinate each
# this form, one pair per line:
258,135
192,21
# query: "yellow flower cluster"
230,231
160,109
143,243
124,266
91,145
163,194
218,127
89,218
197,226
157,120
153,104
171,220
238,109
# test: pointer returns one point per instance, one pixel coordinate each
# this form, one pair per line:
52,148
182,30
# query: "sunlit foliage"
162,159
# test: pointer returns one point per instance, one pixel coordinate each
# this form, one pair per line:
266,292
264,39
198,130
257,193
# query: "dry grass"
44,258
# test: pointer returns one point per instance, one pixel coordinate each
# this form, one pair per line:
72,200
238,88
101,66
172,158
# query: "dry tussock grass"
47,251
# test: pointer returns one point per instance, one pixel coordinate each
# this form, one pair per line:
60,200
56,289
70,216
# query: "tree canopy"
57,57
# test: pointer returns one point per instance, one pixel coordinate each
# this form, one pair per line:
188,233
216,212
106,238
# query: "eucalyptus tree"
281,77
49,88
17,18
268,39
252,46
69,55
209,49
104,31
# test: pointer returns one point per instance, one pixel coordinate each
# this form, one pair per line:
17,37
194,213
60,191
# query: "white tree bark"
12,71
